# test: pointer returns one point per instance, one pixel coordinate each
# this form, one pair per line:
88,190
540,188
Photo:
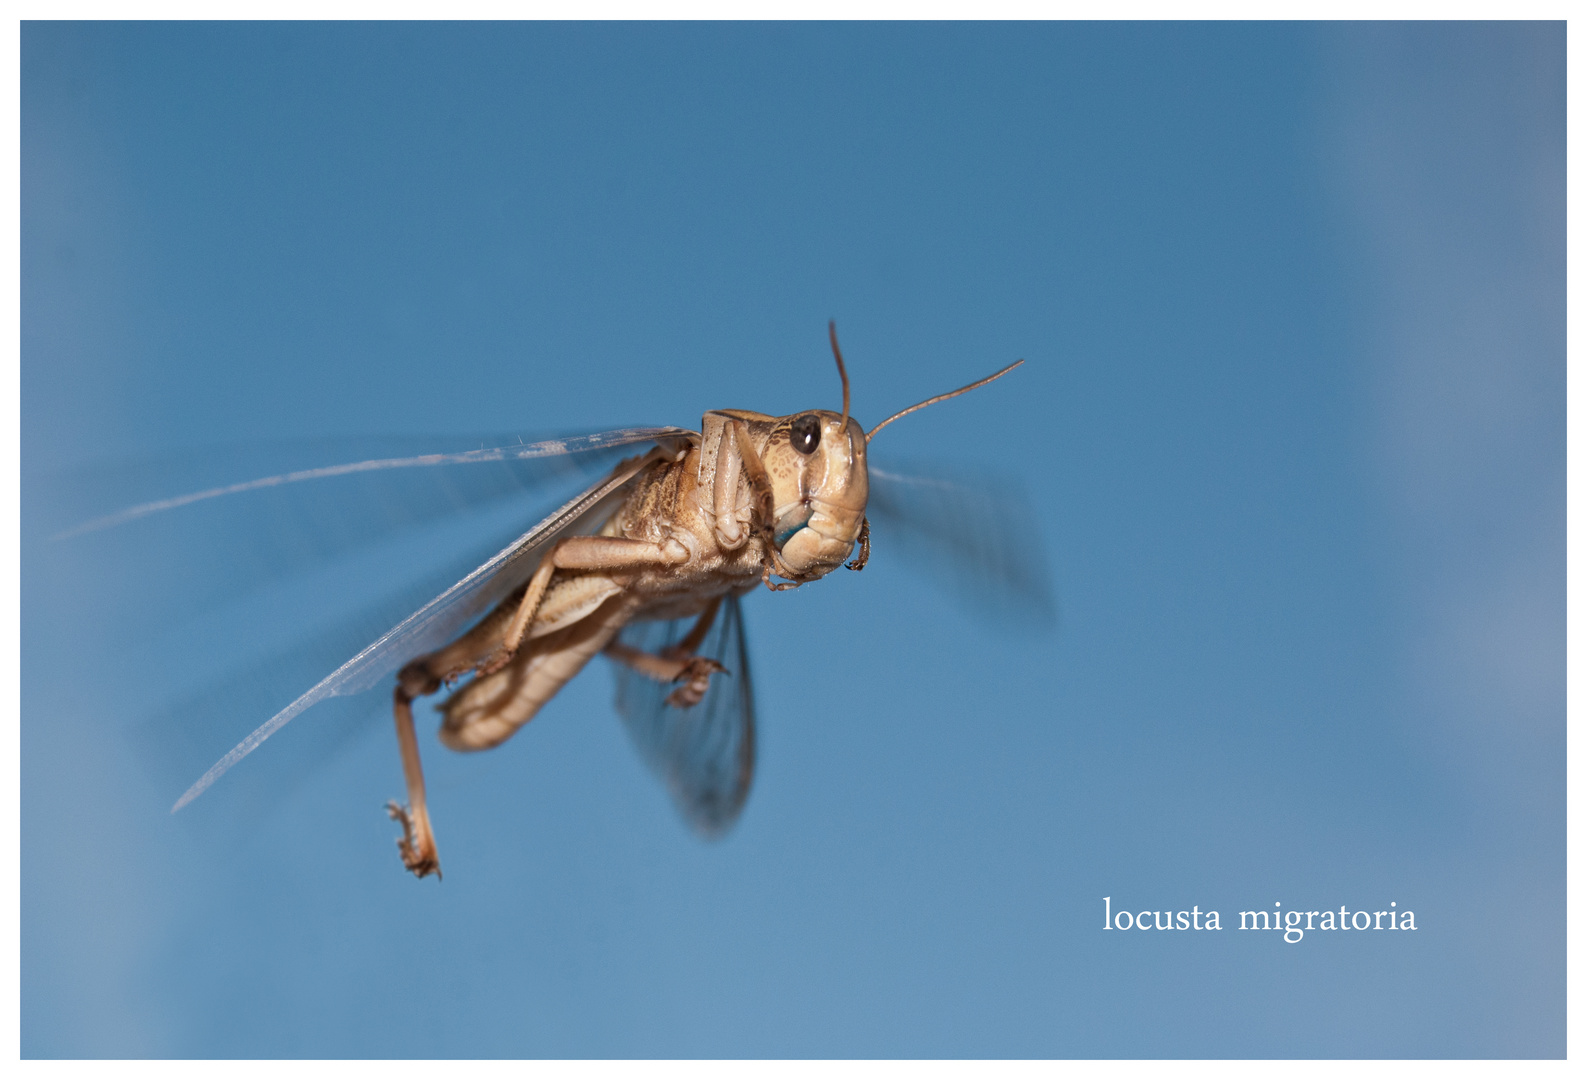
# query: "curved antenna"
941,397
832,332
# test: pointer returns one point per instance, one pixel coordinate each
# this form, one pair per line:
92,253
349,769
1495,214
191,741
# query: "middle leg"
677,663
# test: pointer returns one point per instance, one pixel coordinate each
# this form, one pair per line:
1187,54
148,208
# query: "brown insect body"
677,534
647,565
820,499
752,496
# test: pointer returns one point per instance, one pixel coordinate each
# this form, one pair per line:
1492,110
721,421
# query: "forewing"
438,621
973,532
705,754
505,452
116,527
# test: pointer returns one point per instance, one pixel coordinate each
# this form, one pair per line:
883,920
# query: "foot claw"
777,586
696,680
416,844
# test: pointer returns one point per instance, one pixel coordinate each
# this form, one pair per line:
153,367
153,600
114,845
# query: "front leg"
765,509
864,542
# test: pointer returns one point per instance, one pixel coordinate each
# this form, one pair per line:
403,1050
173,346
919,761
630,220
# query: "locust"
751,500
647,566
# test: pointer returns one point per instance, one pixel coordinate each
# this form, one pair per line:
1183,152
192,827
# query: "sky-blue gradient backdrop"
1292,420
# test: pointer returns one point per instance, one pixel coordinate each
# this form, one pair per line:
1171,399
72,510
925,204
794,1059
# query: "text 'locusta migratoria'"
1293,924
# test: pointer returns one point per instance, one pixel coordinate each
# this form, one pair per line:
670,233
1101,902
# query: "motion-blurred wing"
974,532
705,754
443,617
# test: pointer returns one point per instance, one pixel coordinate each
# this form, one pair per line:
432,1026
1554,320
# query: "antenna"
832,332
931,401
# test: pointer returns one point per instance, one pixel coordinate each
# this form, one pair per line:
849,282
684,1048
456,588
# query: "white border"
10,468
784,9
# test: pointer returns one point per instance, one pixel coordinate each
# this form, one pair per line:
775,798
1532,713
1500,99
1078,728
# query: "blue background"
1292,422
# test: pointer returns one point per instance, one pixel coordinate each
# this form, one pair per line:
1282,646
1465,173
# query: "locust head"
815,465
808,473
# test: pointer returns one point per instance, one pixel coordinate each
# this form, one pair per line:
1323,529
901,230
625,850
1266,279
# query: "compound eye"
806,434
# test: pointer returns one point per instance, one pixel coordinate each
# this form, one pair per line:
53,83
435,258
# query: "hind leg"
488,650
418,842
424,676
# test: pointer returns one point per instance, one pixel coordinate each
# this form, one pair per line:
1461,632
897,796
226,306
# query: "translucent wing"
113,524
705,754
180,734
443,617
485,455
975,533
